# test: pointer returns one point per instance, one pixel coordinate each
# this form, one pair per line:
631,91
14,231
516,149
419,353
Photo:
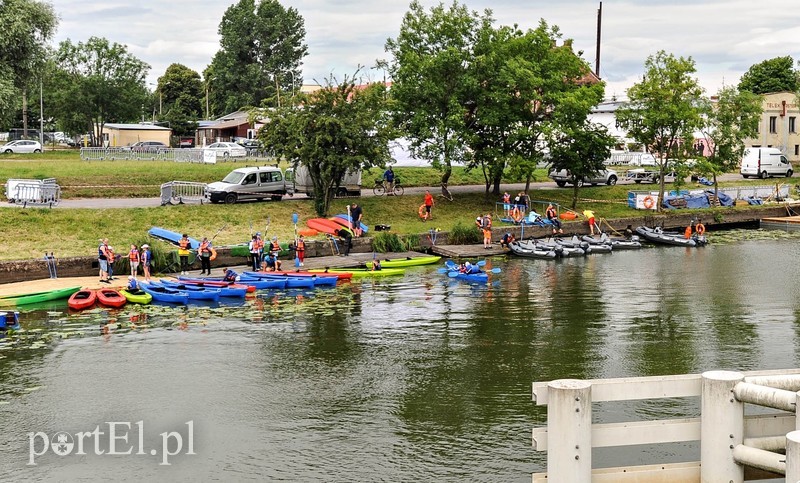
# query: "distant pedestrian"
428,206
146,259
133,258
388,180
356,215
589,214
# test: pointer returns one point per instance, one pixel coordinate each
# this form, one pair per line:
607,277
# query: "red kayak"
201,282
111,297
82,299
323,225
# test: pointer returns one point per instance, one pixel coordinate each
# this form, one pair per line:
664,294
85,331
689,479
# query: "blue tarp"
699,200
724,200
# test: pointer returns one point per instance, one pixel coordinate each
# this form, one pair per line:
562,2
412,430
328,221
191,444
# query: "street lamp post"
208,110
160,98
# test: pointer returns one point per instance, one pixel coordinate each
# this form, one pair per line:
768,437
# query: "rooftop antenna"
597,55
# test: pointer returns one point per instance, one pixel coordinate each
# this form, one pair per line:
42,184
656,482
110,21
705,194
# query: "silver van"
252,183
765,162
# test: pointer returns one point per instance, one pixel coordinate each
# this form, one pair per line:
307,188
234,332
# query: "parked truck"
349,186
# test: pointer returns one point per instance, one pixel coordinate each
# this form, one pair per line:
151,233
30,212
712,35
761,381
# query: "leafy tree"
431,80
331,131
97,82
262,48
727,123
181,94
664,110
771,75
27,26
582,149
525,85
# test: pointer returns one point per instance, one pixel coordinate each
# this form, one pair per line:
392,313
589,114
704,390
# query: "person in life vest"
300,249
347,239
230,275
700,228
133,258
204,251
132,284
486,227
146,259
507,203
589,214
260,245
111,258
552,215
507,239
687,233
516,214
254,253
376,264
183,253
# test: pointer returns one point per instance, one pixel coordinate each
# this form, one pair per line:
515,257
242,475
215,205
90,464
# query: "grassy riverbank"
142,179
28,233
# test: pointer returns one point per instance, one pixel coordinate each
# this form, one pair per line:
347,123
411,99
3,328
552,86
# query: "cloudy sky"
725,37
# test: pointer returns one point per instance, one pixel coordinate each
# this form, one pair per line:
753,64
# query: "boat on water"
36,297
616,243
529,249
407,262
111,297
82,299
562,250
658,236
297,281
9,320
297,273
204,282
363,272
165,294
223,291
137,296
194,293
475,277
263,283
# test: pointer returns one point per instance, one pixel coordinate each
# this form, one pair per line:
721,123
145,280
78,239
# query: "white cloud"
725,37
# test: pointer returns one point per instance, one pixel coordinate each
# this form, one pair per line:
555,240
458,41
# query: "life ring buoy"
648,202
700,229
213,254
421,211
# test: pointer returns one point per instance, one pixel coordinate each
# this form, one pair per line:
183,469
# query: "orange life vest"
203,247
506,198
275,247
688,232
133,255
551,213
183,244
259,245
301,245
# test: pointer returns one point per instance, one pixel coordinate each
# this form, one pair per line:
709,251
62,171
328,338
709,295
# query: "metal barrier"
194,155
26,192
180,192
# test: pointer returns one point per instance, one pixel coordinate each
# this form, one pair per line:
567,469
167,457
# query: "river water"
412,378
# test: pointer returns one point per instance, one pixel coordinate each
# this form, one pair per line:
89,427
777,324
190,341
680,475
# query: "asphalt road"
512,188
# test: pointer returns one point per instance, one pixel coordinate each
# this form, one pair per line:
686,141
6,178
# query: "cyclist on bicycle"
388,180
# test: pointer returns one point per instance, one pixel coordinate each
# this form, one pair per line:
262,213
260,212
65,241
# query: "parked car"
148,147
250,143
225,150
605,176
21,146
250,183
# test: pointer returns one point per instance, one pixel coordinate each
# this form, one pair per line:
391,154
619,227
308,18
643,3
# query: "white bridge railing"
730,441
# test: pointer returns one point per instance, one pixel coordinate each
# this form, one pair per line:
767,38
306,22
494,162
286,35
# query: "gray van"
252,183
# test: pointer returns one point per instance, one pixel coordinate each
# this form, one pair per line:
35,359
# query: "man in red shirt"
428,206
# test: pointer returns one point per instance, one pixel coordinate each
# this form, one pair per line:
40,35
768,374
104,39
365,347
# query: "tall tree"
336,129
261,50
727,123
27,26
771,75
525,84
431,80
181,96
97,82
664,110
582,149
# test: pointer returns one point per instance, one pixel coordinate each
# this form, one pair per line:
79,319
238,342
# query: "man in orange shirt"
428,206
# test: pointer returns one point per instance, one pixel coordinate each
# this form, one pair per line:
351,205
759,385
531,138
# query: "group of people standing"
265,258
136,258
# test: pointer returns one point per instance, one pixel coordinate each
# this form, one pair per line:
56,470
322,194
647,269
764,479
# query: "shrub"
388,242
464,235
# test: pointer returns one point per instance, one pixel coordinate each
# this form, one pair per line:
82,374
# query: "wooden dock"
468,251
785,223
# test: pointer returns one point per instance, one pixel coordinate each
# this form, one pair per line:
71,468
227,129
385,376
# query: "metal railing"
193,155
180,192
26,192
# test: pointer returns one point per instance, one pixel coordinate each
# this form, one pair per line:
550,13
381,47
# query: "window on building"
797,149
792,124
773,124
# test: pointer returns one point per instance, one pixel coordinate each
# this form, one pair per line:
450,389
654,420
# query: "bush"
464,235
389,242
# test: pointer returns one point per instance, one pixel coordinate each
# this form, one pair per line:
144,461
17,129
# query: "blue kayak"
298,281
349,220
195,292
262,283
9,320
165,294
453,272
172,237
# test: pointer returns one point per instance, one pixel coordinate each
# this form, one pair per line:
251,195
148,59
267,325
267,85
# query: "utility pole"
41,113
597,55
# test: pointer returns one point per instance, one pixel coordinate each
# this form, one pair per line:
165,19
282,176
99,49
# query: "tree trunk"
496,188
448,170
575,189
25,113
528,181
716,187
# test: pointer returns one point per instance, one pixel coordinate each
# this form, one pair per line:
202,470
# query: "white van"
250,183
764,162
301,180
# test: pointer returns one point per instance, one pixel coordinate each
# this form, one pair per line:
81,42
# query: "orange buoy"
421,211
213,254
569,215
648,202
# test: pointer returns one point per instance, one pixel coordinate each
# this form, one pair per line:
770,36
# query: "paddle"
452,274
443,270
495,270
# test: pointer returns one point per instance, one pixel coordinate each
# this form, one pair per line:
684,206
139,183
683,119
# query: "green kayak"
366,272
36,297
407,262
136,296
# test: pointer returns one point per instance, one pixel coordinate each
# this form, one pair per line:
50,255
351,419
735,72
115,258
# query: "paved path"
512,188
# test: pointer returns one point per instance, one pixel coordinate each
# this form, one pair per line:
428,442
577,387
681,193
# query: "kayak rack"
37,192
180,192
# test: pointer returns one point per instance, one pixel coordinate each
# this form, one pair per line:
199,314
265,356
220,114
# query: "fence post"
793,456
721,427
569,424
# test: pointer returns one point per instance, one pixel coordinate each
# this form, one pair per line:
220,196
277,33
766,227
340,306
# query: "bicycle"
380,189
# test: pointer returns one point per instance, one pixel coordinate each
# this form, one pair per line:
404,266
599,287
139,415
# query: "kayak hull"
9,320
194,293
172,237
136,296
204,282
529,249
82,299
36,297
366,272
407,262
347,222
111,298
164,294
323,225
